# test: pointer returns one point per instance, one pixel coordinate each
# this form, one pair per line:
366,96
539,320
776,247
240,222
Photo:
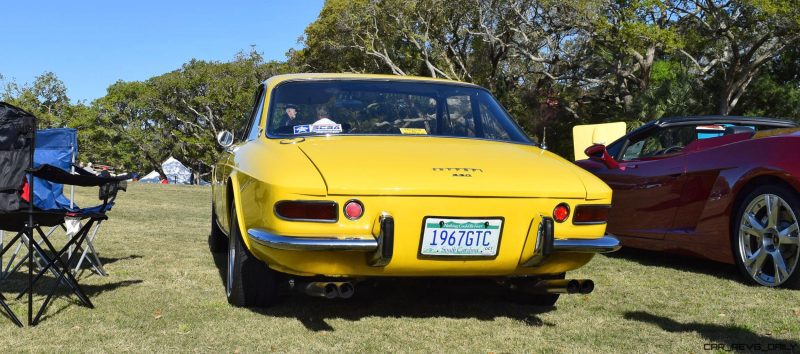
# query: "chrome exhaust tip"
345,290
587,286
559,286
322,289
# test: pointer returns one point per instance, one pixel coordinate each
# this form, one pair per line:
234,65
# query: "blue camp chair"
25,215
58,147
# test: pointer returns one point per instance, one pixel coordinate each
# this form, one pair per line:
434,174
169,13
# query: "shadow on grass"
62,295
403,298
17,282
734,338
678,262
107,260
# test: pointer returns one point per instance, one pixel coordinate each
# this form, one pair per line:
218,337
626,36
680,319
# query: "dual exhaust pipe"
345,289
328,290
559,286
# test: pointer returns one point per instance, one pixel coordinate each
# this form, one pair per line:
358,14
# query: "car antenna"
544,139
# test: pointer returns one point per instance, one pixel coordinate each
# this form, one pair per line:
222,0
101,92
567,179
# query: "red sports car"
722,188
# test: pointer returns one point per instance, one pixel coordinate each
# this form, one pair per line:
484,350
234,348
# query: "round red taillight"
561,212
353,209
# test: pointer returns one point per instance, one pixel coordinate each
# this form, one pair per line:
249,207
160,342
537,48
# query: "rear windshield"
302,108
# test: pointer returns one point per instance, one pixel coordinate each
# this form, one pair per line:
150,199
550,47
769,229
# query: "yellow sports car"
341,177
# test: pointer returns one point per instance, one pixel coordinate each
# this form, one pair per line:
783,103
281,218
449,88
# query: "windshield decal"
318,129
414,131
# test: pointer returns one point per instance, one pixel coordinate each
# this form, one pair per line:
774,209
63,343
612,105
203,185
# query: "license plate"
461,237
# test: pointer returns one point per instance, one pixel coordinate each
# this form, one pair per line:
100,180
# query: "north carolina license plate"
461,237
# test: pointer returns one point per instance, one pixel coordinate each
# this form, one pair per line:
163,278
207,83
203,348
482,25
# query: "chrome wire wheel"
231,263
769,245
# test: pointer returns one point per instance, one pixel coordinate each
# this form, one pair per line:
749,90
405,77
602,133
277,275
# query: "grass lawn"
165,293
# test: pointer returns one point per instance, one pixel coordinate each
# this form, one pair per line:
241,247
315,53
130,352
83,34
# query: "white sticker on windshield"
302,129
326,128
318,129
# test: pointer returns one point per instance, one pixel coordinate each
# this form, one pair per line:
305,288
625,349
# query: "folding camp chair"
19,215
58,147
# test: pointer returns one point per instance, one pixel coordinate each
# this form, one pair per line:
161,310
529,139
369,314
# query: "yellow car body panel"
517,182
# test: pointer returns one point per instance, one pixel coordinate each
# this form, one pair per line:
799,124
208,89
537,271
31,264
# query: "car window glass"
256,118
662,142
458,120
366,107
491,127
633,151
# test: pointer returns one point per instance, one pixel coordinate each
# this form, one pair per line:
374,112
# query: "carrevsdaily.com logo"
752,347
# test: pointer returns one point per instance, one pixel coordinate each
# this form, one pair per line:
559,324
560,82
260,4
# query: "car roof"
713,119
351,76
718,119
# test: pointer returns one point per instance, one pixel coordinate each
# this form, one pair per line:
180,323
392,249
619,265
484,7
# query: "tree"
46,98
140,136
180,113
730,41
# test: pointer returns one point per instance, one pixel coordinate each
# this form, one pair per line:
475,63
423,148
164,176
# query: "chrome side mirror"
225,139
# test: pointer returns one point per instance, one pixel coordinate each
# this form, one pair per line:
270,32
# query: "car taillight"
591,214
561,212
353,209
307,210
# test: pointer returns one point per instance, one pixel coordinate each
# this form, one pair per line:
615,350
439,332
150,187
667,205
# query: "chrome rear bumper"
605,244
271,240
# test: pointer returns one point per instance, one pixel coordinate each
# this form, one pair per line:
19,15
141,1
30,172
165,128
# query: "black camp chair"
18,215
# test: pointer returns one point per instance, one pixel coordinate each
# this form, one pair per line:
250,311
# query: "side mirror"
225,139
600,153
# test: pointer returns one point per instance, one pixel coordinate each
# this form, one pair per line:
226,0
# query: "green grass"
165,293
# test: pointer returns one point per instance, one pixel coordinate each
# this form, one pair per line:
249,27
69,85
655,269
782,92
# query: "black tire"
762,244
249,282
520,291
217,241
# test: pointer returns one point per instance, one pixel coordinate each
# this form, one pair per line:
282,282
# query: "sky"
92,44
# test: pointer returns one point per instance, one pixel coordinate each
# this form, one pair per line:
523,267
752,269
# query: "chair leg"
78,239
11,262
64,271
3,249
92,254
10,313
5,273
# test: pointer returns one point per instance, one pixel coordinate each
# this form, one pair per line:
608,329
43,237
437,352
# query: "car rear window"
364,107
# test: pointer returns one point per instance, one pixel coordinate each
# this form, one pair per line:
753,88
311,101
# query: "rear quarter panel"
716,179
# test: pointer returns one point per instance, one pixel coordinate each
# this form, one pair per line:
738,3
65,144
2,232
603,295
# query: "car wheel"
765,240
521,291
248,281
217,241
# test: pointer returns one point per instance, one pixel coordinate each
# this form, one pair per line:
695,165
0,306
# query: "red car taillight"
353,209
561,212
307,210
591,214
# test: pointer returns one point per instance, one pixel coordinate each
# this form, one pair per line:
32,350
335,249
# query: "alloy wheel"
769,244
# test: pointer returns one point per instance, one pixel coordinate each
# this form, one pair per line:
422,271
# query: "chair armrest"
57,175
79,170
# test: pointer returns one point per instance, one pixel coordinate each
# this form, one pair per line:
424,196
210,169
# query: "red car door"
647,195
648,183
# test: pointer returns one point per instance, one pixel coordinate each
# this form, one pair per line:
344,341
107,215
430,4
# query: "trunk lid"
422,166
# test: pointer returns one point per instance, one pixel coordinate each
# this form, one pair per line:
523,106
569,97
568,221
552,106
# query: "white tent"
177,173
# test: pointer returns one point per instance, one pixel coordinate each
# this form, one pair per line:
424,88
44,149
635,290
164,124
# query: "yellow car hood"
422,165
